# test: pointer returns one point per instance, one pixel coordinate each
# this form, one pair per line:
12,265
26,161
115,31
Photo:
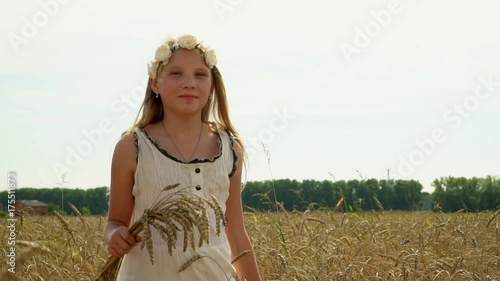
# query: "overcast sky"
332,88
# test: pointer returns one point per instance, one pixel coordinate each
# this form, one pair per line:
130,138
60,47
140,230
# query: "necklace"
175,146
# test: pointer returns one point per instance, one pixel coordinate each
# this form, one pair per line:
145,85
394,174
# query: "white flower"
187,41
202,47
170,41
169,45
152,68
210,58
163,52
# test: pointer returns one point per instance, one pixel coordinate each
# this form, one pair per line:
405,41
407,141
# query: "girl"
182,134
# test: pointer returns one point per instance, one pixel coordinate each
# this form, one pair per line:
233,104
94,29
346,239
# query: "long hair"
216,110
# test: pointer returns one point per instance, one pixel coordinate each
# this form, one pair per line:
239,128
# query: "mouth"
188,97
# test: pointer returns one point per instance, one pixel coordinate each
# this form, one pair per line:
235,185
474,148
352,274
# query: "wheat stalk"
189,262
169,214
65,224
240,255
492,218
77,212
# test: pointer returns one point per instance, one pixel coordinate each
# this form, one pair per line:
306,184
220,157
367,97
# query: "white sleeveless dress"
156,168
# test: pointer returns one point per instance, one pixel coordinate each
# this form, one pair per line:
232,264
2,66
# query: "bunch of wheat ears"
177,211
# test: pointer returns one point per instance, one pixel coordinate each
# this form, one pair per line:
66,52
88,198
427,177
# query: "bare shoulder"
125,152
126,144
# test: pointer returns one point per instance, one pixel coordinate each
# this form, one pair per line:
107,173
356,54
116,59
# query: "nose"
189,82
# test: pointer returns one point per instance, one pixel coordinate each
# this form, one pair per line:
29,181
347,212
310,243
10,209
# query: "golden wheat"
189,262
189,211
351,246
240,255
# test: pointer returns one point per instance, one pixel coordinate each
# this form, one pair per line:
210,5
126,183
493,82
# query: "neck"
182,125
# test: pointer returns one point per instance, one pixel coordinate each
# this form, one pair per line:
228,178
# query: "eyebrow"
179,67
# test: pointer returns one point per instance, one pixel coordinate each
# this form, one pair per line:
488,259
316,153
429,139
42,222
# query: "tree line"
450,195
474,194
88,201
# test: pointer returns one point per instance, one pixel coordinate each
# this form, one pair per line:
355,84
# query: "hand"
122,241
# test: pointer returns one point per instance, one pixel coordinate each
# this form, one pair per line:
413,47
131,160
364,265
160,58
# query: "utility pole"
61,184
388,177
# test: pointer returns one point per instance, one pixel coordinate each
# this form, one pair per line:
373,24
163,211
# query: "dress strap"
136,146
233,152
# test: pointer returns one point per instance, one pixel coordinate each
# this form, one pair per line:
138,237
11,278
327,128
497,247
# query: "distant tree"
85,211
55,207
459,193
426,201
489,193
386,195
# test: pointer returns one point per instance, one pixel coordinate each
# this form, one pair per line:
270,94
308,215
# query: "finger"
118,255
138,238
122,251
113,252
125,234
123,245
130,240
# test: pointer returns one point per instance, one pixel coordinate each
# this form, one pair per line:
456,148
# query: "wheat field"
311,245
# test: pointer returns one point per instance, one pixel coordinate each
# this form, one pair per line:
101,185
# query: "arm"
121,200
246,267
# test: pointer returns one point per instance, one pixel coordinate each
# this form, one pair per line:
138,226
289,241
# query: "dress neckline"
196,160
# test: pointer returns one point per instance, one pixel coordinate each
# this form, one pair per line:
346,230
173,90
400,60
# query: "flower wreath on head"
189,42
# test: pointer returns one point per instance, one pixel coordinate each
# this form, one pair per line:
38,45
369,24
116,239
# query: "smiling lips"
188,97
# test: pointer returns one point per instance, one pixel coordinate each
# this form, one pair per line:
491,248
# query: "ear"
154,85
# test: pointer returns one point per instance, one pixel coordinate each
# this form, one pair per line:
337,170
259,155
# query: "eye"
175,73
201,74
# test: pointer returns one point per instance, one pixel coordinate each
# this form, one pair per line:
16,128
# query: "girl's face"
184,84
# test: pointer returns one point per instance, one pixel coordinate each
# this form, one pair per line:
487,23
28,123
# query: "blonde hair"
216,110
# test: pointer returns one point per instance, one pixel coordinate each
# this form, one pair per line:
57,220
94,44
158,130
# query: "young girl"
183,135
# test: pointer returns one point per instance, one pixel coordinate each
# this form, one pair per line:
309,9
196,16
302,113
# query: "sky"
325,90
